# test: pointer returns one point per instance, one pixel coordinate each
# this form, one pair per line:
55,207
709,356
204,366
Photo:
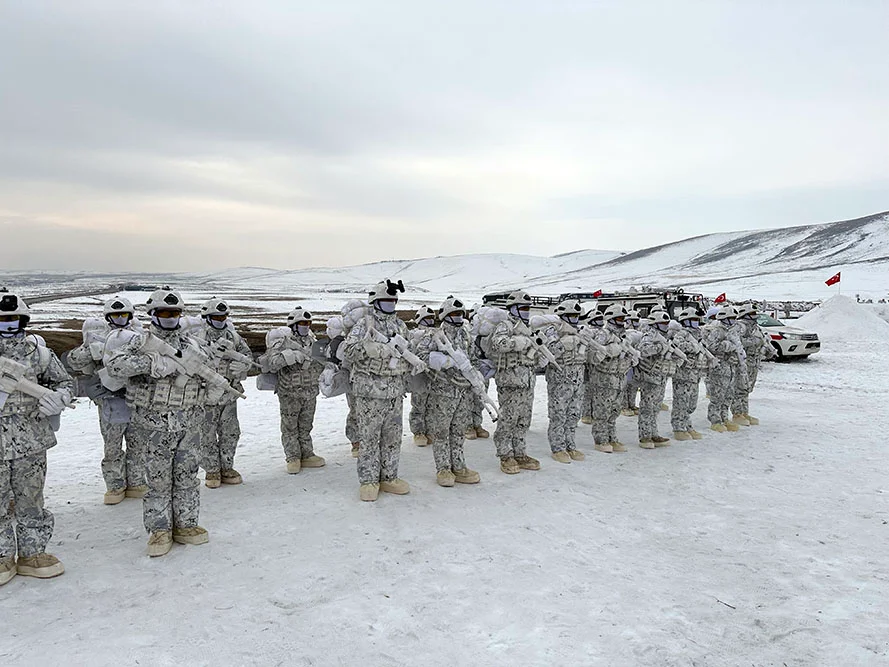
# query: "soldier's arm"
55,376
80,359
128,361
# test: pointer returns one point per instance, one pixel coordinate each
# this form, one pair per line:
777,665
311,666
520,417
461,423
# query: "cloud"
294,134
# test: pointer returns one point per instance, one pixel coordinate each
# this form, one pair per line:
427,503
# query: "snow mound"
842,318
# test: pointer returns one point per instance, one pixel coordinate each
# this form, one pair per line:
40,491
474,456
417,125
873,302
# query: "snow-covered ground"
765,547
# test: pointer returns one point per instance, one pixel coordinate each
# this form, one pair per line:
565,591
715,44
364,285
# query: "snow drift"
841,318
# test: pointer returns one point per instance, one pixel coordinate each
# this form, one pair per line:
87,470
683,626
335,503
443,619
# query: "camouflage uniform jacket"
450,381
515,367
376,370
24,431
210,335
298,376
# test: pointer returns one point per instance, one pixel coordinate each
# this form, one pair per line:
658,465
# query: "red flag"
834,280
597,294
720,298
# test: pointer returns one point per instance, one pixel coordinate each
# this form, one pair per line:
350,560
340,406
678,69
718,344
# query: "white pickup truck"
789,342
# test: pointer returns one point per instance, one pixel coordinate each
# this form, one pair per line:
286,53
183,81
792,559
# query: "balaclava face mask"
217,324
10,329
166,323
120,320
302,329
386,306
456,320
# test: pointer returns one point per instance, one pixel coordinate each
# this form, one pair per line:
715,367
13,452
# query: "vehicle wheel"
778,351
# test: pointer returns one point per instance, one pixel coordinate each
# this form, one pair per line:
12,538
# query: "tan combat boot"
7,569
576,455
660,441
561,457
191,535
741,420
586,420
114,496
753,420
527,463
159,543
618,446
682,435
605,447
369,492
731,426
470,434
695,435
396,486
627,412
313,461
646,443
213,480
466,476
719,427
509,465
356,446
137,491
294,466
42,566
421,440
231,476
445,478
482,433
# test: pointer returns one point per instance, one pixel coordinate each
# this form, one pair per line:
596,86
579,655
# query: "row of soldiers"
170,393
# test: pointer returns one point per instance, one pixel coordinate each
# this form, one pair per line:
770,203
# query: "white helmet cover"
165,298
385,290
451,305
518,298
13,304
614,311
727,313
570,307
298,314
215,306
118,306
689,314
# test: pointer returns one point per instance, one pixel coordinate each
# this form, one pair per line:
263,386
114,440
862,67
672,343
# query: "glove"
613,349
51,404
439,361
238,367
520,343
161,367
487,369
292,357
97,350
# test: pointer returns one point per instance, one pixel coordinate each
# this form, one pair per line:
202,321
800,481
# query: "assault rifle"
12,379
400,349
189,363
469,372
224,349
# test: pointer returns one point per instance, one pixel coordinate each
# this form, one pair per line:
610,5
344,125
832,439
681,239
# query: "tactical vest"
37,358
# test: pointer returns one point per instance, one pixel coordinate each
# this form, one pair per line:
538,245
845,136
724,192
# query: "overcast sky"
171,135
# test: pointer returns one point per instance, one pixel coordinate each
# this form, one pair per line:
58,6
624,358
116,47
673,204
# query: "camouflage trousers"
297,421
565,392
380,424
173,499
352,432
744,386
419,421
516,407
651,395
685,402
630,394
220,437
448,418
721,384
605,409
21,481
478,408
121,468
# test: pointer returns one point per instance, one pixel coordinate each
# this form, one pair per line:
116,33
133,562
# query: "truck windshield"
766,321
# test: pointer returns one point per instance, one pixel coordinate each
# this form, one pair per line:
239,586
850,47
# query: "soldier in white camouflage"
687,378
122,469
451,397
655,367
168,404
591,322
419,384
476,430
633,336
757,348
607,378
289,354
27,423
723,341
565,383
378,370
516,360
231,357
